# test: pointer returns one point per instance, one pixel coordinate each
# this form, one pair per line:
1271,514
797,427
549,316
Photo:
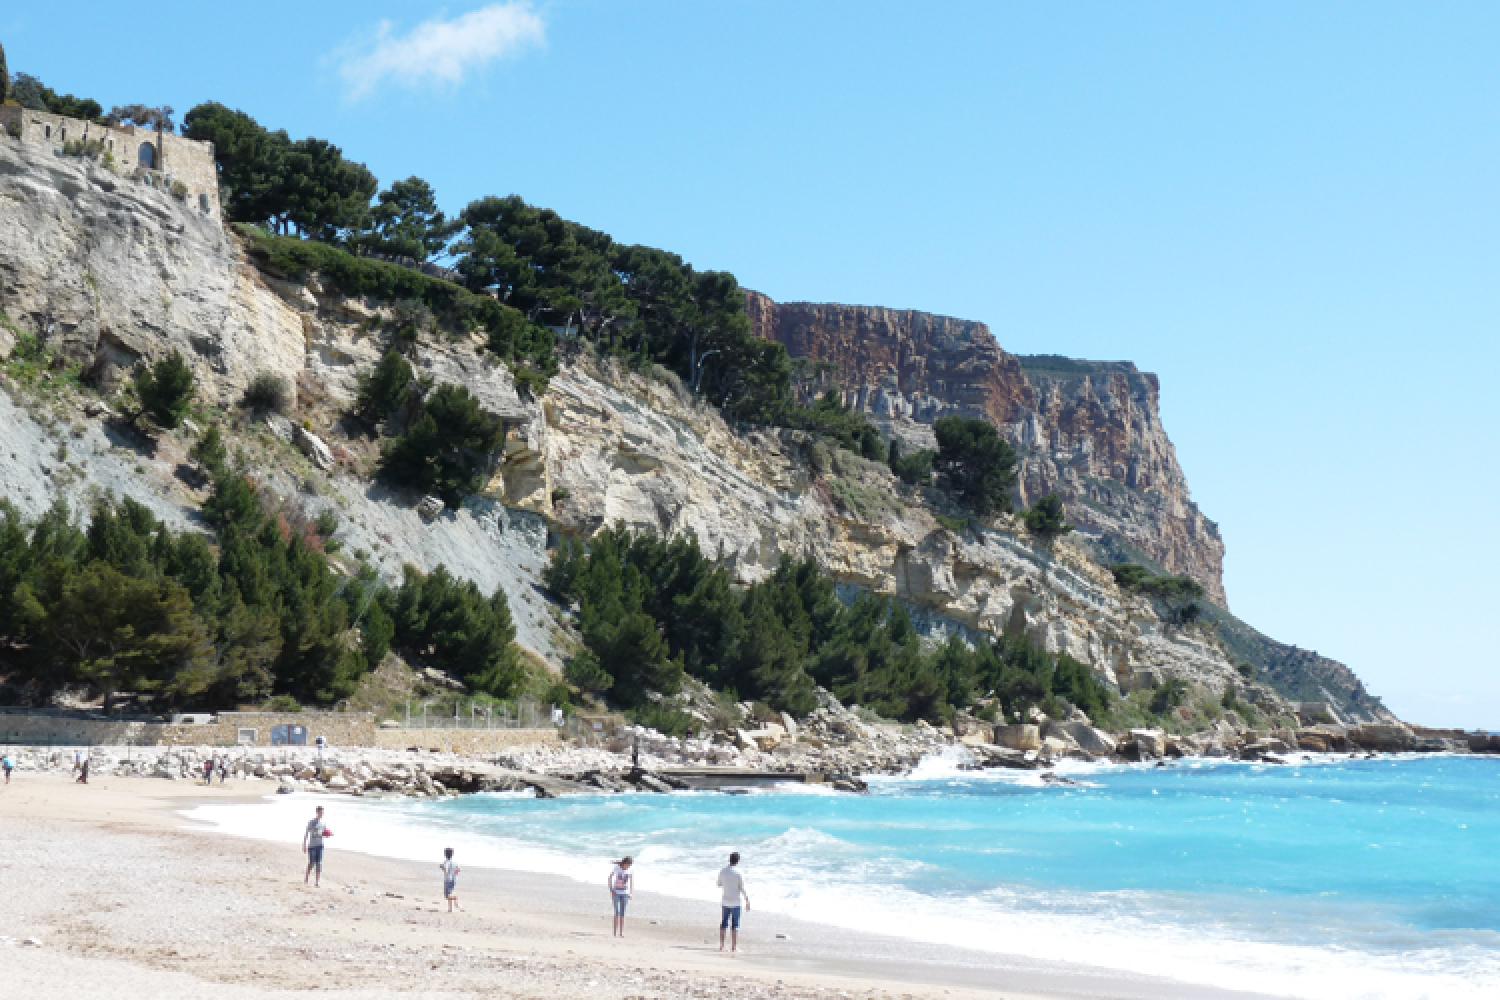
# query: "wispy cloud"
441,51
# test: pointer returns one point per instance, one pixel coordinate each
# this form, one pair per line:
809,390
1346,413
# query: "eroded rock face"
1090,431
109,272
97,268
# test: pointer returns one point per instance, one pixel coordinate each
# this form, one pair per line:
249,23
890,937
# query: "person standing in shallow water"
733,886
450,880
621,887
312,846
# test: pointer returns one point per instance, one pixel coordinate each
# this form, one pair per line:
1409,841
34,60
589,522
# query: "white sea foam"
815,876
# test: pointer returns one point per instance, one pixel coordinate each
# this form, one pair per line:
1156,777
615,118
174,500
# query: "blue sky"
1287,210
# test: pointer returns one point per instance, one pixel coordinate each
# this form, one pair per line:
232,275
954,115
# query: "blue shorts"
315,855
730,918
450,887
622,900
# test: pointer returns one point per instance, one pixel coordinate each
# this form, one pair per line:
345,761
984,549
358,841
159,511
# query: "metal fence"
525,713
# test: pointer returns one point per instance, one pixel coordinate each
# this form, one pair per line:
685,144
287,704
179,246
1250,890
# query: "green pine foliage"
441,619
447,447
653,609
1177,597
386,390
29,92
165,390
524,345
1046,519
975,464
914,469
124,605
830,418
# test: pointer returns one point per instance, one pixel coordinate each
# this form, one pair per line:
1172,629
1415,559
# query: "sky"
1288,211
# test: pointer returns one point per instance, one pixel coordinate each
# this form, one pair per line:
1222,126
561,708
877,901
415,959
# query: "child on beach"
450,880
621,886
9,766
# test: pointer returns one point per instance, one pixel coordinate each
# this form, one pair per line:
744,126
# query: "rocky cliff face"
1090,431
103,273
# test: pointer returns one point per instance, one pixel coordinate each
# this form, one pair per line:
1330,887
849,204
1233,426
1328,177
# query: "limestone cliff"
1090,431
102,272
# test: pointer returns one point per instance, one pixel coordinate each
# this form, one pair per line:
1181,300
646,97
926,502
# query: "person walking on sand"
733,885
621,887
312,846
450,880
83,772
9,766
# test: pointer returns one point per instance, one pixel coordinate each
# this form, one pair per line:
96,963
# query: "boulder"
315,448
1144,679
790,724
1019,736
430,507
1150,742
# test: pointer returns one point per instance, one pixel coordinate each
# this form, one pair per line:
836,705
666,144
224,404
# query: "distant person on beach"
83,772
450,880
733,884
312,846
621,887
9,766
223,769
77,760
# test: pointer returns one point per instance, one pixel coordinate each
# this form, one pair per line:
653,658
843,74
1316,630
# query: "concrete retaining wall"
339,729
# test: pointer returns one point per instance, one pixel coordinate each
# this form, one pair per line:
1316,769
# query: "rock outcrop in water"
1090,431
104,273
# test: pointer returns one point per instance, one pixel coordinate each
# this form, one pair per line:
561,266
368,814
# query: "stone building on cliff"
164,160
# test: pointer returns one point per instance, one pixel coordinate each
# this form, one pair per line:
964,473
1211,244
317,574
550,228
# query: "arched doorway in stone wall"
147,155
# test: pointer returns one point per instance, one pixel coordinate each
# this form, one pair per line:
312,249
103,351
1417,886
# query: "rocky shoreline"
835,746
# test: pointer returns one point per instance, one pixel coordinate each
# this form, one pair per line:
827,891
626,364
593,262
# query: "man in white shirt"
733,885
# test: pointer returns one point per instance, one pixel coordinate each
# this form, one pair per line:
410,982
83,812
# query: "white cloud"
440,51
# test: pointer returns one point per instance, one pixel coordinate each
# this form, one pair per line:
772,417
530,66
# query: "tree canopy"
269,179
652,610
406,222
165,390
29,92
447,448
1046,519
975,463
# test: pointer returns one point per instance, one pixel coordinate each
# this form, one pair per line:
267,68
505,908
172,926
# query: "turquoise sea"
1328,878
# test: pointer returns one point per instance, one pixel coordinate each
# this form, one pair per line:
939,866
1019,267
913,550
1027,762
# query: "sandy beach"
110,891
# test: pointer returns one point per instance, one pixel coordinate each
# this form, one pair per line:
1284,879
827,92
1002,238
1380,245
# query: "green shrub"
448,447
1172,693
165,390
975,464
584,672
527,347
665,719
385,390
1045,519
267,393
